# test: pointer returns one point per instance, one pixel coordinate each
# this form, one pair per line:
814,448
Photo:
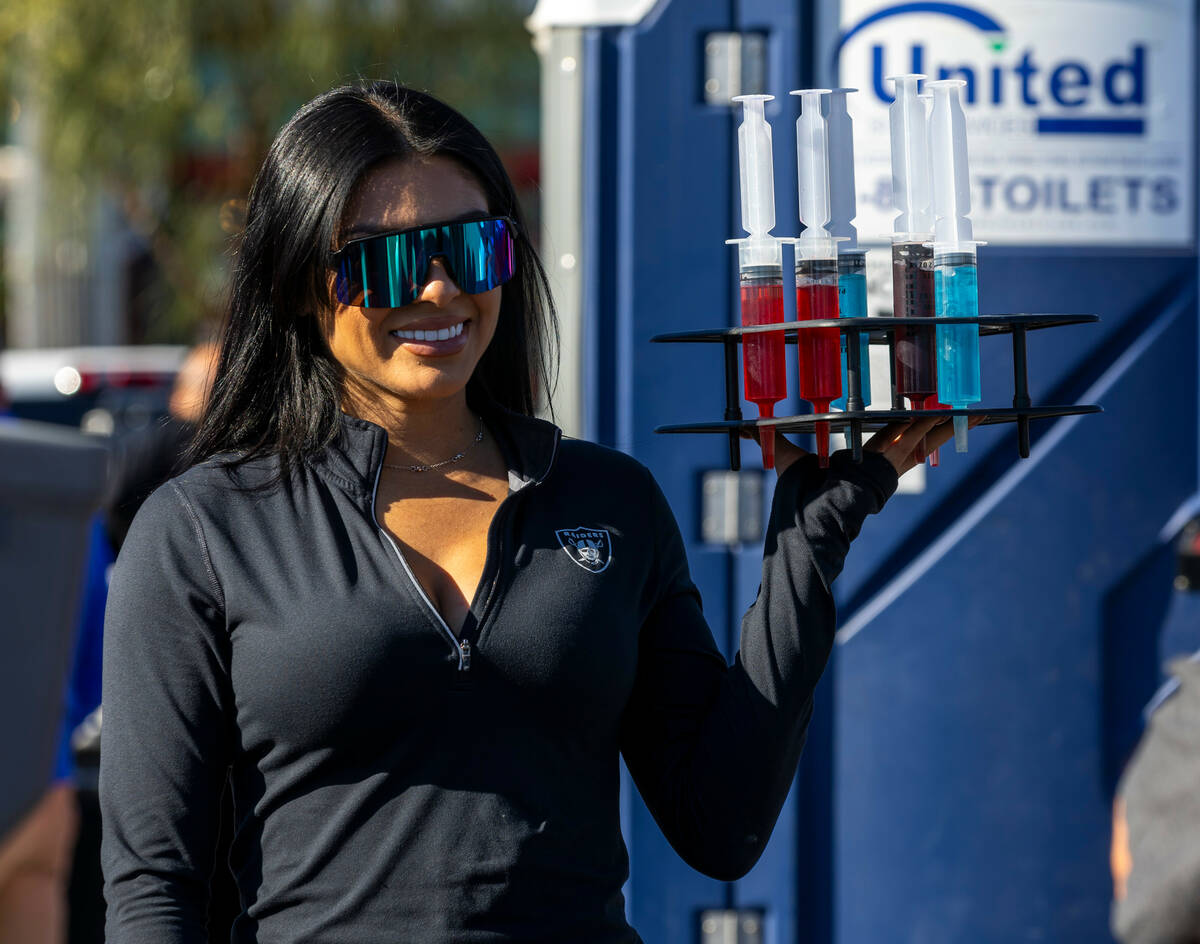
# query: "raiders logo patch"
590,548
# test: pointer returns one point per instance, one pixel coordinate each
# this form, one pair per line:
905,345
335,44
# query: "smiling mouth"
430,334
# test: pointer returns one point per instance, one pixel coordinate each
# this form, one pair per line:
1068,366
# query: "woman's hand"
897,442
786,452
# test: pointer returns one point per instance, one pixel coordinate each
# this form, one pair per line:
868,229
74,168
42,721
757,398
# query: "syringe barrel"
852,303
853,262
756,165
913,297
817,272
764,364
818,350
761,275
956,290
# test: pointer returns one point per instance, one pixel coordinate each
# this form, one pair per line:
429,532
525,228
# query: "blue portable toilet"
999,624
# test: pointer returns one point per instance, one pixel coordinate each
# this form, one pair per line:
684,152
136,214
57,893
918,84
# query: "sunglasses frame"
337,257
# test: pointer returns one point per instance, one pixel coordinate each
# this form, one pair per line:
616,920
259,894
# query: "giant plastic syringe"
819,350
933,455
912,256
852,261
956,286
760,264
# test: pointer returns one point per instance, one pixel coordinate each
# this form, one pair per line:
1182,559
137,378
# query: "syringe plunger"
842,203
911,186
757,172
951,174
812,170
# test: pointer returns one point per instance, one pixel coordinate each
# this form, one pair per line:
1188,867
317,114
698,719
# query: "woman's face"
379,362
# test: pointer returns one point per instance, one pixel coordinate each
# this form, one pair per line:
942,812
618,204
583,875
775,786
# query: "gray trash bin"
51,480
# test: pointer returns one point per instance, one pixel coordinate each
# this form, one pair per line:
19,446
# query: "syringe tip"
960,433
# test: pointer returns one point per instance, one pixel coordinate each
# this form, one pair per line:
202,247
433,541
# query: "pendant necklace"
457,457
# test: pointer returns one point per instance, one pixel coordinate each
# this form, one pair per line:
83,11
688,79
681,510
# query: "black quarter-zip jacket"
393,783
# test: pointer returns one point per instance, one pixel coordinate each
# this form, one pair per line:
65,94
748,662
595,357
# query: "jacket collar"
355,457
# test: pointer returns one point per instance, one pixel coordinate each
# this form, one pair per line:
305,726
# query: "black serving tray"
855,418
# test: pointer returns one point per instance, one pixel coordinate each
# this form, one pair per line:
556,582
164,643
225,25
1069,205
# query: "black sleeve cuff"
874,473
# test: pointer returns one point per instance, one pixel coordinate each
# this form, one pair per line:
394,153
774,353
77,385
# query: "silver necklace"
457,457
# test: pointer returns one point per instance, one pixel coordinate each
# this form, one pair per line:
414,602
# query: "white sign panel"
1080,113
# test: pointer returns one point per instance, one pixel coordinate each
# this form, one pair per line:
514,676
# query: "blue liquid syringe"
852,261
955,276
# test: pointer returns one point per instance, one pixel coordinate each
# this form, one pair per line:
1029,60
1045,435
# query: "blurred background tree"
166,108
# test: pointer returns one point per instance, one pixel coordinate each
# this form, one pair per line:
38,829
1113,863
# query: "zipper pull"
464,655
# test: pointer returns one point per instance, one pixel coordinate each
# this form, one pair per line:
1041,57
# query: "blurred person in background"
141,460
415,627
145,458
1156,821
38,857
35,863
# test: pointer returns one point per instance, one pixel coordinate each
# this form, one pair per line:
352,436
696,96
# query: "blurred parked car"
102,390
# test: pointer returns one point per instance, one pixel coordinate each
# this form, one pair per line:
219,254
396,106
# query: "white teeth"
431,334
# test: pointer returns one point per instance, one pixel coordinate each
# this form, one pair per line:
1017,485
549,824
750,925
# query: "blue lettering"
987,189
1100,195
1070,83
1133,191
1135,73
1164,198
1029,198
1026,70
1070,77
1064,198
1103,195
877,75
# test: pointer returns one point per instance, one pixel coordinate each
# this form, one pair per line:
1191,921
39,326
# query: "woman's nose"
439,287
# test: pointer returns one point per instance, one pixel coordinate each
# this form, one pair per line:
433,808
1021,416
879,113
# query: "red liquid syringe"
760,264
820,350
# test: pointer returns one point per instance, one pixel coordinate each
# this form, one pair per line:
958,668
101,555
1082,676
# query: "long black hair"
278,389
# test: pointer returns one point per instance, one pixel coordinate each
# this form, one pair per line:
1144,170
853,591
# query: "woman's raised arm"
713,748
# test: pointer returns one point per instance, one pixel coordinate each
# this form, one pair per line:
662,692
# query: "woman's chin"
441,385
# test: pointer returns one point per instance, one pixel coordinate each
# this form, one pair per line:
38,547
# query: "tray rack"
855,418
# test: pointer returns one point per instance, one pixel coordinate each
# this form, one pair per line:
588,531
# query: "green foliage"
170,104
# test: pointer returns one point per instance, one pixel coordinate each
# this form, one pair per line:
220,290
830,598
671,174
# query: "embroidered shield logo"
590,548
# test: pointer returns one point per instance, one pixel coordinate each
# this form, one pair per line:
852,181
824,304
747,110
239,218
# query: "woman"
415,628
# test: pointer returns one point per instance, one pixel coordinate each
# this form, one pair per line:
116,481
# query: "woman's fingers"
786,452
897,442
940,436
902,436
945,432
